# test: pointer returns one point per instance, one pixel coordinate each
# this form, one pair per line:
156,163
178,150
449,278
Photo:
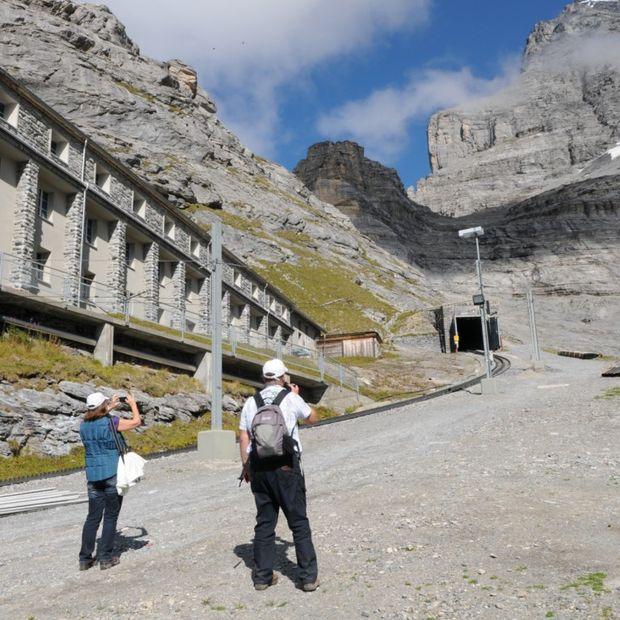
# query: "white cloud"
587,52
381,121
246,50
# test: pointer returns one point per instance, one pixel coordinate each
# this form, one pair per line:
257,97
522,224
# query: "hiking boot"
264,586
86,564
113,561
310,586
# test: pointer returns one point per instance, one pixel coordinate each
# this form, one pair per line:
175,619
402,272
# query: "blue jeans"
103,501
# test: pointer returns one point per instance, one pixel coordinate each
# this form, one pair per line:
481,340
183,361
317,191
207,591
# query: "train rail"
501,365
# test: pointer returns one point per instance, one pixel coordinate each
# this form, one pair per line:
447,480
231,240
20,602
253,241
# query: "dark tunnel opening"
469,330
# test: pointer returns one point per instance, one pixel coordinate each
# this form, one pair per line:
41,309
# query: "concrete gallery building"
82,230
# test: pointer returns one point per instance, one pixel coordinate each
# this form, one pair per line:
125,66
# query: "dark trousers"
103,501
282,488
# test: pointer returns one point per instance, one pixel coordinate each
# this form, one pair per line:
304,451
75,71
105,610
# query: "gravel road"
467,506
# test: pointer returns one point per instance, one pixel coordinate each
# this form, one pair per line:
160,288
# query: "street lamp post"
468,233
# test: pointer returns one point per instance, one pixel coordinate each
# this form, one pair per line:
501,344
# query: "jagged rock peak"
371,194
95,17
343,161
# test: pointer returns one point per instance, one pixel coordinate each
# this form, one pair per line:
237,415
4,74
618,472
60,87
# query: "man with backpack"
271,454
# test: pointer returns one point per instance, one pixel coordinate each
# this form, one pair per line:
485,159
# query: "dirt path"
462,507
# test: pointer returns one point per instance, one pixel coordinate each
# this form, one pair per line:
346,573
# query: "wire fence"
181,316
558,316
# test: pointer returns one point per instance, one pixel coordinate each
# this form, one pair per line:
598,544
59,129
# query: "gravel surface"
467,506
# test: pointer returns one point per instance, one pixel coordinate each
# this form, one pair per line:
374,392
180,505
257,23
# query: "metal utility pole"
216,325
532,321
483,315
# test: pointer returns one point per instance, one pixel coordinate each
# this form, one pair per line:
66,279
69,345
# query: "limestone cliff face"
155,117
565,242
562,111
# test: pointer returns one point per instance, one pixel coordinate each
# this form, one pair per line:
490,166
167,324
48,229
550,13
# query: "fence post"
533,332
341,375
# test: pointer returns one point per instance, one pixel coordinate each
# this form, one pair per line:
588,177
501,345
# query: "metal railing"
55,285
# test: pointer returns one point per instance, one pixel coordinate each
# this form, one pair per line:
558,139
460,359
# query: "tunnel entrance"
469,330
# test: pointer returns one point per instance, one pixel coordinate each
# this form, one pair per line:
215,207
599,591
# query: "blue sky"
288,73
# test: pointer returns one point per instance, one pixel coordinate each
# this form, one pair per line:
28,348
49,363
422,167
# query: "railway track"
501,365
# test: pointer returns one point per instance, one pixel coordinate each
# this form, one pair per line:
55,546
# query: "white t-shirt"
293,408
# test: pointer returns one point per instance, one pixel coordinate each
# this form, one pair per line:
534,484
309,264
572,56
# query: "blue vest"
101,452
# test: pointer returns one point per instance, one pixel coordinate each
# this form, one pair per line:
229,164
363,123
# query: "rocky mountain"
542,130
155,117
564,242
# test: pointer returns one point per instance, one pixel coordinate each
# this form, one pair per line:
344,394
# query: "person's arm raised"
128,425
313,417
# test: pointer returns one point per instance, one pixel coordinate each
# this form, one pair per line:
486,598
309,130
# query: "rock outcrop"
48,422
372,195
560,113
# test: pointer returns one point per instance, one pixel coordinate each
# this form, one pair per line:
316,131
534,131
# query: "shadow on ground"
281,563
131,538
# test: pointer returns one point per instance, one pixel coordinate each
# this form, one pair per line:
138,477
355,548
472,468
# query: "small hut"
356,344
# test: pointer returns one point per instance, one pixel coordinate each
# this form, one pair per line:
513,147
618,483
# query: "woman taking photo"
97,431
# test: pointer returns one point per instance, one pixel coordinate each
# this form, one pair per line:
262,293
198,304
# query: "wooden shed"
356,344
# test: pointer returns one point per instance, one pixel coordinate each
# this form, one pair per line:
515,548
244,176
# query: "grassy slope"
27,361
322,288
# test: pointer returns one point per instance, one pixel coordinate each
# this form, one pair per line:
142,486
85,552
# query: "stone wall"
73,244
178,288
151,278
48,422
25,225
32,128
117,269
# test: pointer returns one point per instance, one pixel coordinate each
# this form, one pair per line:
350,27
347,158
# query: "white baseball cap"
274,368
95,400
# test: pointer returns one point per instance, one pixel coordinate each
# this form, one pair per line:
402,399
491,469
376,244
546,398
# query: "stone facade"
151,277
33,128
73,244
178,287
117,269
121,194
204,324
25,225
244,323
225,308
